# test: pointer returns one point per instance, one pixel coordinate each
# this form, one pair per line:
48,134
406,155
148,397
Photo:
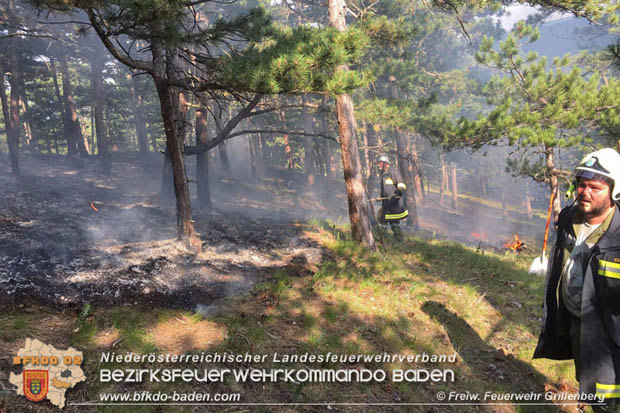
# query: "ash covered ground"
70,235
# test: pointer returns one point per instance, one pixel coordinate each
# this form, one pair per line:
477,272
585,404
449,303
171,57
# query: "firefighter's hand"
401,186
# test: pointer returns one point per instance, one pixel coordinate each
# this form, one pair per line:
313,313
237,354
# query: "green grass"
425,296
15,325
131,324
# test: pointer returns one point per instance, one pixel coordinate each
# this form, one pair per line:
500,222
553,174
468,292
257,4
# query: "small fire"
482,236
515,246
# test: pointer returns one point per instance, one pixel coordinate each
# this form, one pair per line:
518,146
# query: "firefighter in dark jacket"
393,203
581,311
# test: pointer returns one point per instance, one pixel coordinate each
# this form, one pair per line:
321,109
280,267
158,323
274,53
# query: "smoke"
135,224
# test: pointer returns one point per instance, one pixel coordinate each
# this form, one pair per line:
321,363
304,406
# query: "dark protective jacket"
395,207
600,311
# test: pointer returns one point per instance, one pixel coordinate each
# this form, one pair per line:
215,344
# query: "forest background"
454,99
249,130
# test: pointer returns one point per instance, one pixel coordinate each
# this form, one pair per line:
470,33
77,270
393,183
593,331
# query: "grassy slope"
423,296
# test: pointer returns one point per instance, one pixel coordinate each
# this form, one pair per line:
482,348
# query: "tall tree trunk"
183,112
371,172
98,104
416,169
289,154
202,159
320,162
404,160
288,151
328,156
56,132
48,142
308,142
112,142
557,203
99,97
153,137
23,105
266,153
253,156
528,200
256,154
224,157
454,187
6,113
75,140
412,176
12,122
168,96
10,110
260,163
217,113
358,202
138,116
61,106
444,177
364,159
91,139
167,176
405,171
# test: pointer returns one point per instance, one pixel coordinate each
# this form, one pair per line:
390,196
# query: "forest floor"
91,261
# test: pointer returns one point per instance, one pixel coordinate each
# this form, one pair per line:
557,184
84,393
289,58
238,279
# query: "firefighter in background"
393,204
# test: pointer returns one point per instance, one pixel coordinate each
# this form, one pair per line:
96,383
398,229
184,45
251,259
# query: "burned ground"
71,236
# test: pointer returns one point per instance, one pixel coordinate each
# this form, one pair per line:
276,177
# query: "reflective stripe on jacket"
394,208
600,312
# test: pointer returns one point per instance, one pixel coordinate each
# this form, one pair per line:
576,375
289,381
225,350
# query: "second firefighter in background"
393,203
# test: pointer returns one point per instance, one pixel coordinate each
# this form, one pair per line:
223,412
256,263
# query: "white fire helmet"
605,163
384,158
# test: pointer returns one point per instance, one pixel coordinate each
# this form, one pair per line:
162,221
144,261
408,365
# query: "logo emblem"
36,384
590,161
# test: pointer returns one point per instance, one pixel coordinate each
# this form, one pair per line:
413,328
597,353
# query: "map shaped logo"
47,372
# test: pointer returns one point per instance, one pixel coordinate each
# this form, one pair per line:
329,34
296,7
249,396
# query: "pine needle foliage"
298,60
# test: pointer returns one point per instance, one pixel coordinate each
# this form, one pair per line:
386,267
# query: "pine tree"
540,109
192,50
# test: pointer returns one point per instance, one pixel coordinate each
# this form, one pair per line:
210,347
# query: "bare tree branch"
103,35
225,132
287,132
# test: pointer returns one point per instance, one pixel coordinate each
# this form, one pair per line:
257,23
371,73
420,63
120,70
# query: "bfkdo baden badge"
47,372
36,384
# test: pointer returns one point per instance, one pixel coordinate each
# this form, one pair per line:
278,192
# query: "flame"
516,246
476,235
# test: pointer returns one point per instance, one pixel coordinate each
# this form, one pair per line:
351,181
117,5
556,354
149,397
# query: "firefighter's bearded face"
384,166
593,197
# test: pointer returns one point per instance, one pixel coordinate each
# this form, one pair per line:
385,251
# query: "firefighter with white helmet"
582,294
393,203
